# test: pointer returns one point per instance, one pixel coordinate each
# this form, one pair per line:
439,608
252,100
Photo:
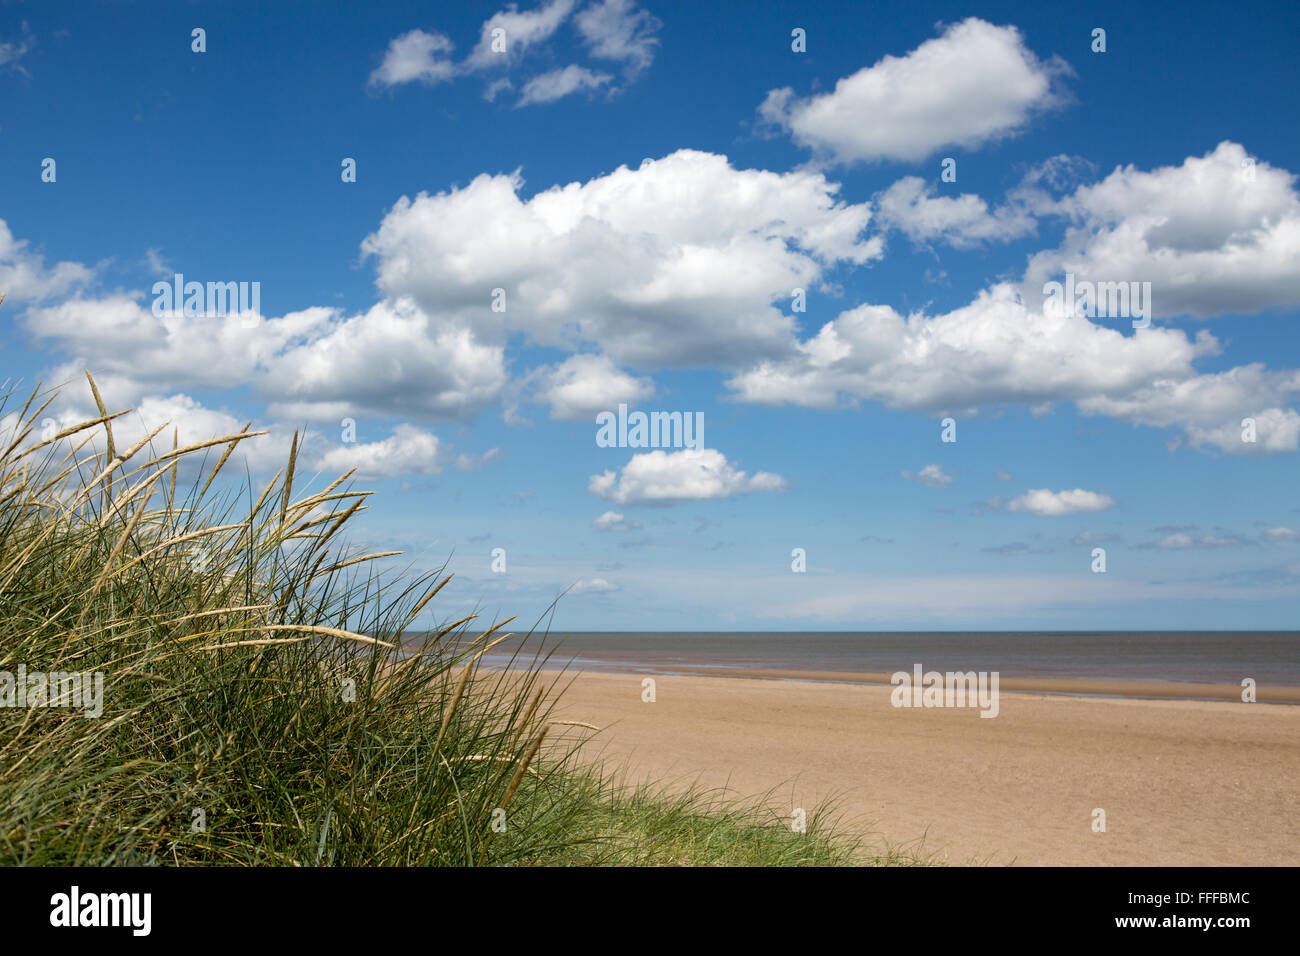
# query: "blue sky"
649,183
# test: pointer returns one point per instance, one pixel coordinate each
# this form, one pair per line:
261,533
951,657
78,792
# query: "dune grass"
264,699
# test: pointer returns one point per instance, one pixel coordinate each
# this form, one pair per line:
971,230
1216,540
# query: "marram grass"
261,704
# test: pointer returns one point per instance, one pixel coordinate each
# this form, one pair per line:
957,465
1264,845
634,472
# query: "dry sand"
1181,781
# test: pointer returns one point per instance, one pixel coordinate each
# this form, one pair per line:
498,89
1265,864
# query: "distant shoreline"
1067,686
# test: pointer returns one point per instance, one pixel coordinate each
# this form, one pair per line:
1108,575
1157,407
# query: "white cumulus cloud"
960,221
629,260
993,350
408,451
664,478
973,83
24,276
1041,501
583,385
1218,234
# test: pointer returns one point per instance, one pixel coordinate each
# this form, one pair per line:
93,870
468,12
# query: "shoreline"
1048,686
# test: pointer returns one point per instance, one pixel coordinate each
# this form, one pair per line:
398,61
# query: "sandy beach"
1182,781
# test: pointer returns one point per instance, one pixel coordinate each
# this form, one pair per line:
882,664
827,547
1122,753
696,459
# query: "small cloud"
1003,475
415,56
932,476
588,585
1045,503
557,84
1280,534
666,478
613,521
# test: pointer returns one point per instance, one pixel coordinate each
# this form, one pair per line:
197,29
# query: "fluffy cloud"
974,83
415,56
998,350
617,30
408,451
393,359
559,83
932,476
664,478
186,421
583,385
1277,431
24,276
1211,408
993,350
522,30
962,221
1041,501
1218,234
171,349
629,260
613,521
313,364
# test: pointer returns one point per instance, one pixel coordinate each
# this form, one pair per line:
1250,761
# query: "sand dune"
1181,781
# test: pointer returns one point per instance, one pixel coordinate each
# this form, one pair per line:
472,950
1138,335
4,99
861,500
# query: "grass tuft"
263,700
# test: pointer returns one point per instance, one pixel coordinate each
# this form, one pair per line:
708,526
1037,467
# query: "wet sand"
1181,781
1045,685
